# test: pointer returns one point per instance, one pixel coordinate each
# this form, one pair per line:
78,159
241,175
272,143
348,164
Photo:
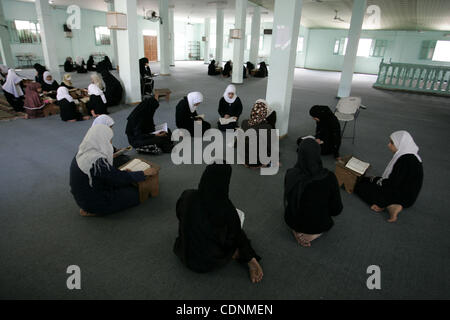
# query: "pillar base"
164,74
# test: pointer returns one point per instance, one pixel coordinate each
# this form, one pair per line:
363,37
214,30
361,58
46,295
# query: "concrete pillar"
219,36
164,58
171,38
255,35
5,43
354,34
206,43
113,37
286,27
127,45
48,38
239,44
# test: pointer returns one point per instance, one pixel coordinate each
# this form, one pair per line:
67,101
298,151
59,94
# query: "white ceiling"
395,14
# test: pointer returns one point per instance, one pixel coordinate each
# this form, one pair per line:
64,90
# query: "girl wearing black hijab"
40,69
91,64
250,67
328,130
311,195
147,81
227,69
210,230
140,128
113,87
212,69
108,63
262,72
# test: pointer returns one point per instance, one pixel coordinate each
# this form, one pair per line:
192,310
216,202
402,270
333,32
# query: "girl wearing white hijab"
230,106
98,187
186,113
13,92
97,101
49,83
401,182
68,108
105,120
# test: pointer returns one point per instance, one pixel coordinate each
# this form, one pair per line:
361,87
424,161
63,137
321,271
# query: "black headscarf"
323,113
307,169
107,63
142,117
40,70
262,66
213,191
250,66
142,67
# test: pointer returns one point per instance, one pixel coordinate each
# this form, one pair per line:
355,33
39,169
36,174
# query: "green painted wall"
403,46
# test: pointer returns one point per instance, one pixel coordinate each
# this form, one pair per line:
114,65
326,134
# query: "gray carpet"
129,255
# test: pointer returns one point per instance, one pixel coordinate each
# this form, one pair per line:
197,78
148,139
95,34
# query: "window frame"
99,43
17,38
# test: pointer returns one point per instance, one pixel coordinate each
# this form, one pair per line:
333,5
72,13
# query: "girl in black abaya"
328,130
311,195
147,81
210,229
113,87
140,128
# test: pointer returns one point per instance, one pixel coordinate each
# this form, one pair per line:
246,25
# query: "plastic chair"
347,110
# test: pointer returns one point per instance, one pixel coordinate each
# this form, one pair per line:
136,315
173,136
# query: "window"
364,47
22,31
427,51
442,51
300,44
102,36
379,48
340,46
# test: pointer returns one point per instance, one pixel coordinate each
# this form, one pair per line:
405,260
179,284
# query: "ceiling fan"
337,18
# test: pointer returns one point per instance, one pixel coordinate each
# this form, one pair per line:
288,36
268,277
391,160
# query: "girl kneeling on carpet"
98,187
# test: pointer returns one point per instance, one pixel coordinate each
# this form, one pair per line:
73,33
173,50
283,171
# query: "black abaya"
209,226
96,103
141,124
328,130
227,69
68,110
312,193
402,187
232,109
113,87
185,119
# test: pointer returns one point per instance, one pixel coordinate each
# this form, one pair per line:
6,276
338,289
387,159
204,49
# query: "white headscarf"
93,89
103,119
405,145
194,98
12,84
97,80
63,93
230,88
79,60
96,145
46,74
269,109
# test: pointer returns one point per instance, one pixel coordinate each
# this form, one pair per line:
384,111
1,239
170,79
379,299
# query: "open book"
224,121
201,116
136,165
161,128
357,165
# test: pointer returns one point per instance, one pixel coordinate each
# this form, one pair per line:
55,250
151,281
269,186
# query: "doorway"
151,48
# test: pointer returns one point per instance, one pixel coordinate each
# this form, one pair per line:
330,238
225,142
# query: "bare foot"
256,272
86,214
297,236
394,210
307,238
376,208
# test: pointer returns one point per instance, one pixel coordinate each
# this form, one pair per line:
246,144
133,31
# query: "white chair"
347,110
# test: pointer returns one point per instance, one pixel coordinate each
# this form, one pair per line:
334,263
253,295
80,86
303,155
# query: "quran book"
161,128
136,165
224,121
357,165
